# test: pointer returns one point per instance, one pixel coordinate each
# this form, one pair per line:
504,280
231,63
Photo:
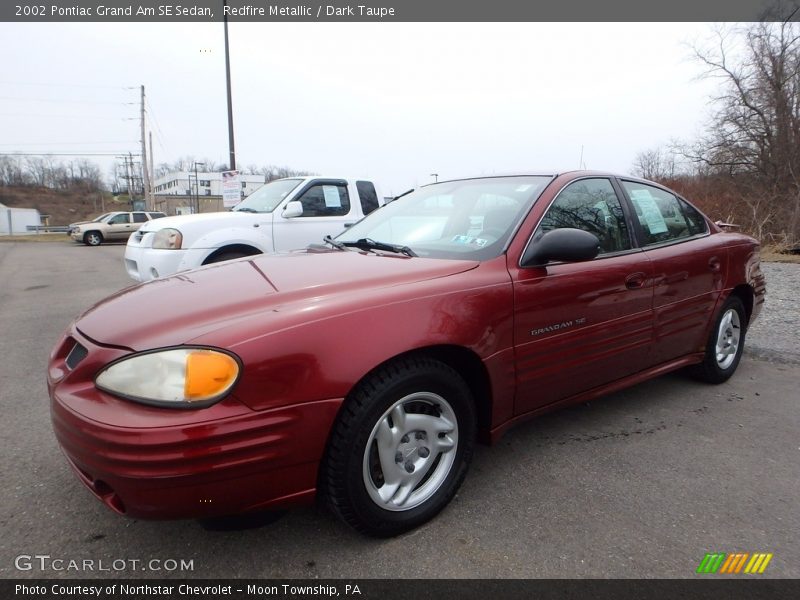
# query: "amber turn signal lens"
208,374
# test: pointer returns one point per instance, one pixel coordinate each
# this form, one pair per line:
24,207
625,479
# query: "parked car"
364,370
72,226
282,215
113,226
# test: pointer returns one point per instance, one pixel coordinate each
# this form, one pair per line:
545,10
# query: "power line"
42,116
64,143
72,85
116,154
159,132
62,101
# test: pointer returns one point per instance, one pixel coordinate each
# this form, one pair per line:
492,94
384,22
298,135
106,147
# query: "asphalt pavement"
642,483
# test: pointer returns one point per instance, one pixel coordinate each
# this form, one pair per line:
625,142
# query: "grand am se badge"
558,326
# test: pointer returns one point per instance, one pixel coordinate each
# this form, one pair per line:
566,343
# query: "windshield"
101,217
268,196
470,219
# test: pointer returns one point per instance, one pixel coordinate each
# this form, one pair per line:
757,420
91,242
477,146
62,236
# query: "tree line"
47,171
745,167
206,165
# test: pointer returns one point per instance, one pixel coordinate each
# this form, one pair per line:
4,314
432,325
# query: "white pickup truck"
284,214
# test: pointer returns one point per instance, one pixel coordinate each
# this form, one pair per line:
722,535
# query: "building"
179,193
18,220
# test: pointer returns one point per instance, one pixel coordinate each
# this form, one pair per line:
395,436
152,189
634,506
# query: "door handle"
634,281
346,225
714,265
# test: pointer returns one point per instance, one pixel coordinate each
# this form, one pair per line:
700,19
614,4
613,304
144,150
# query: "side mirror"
567,245
292,209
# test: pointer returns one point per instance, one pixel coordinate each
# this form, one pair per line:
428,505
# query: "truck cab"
284,214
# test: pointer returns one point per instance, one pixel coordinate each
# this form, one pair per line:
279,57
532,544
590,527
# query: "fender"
202,248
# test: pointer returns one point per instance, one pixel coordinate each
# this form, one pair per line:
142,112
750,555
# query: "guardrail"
48,229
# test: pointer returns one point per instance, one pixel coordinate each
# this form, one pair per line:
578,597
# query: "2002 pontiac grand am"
363,370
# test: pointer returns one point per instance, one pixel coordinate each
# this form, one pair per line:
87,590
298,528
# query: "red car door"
581,325
689,268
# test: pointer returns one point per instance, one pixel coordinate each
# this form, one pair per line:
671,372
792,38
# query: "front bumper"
143,263
162,463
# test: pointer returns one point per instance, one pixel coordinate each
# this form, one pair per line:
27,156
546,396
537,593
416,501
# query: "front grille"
76,355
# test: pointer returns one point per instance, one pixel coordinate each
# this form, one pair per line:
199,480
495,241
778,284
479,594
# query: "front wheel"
400,448
725,344
93,238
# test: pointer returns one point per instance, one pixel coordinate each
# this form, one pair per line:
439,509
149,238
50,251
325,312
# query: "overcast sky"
391,101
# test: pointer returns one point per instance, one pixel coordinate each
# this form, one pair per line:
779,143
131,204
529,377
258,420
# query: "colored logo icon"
737,562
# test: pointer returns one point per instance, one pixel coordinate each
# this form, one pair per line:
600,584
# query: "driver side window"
325,200
120,219
591,205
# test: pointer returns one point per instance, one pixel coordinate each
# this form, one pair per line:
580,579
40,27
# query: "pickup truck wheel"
400,448
92,238
223,256
725,344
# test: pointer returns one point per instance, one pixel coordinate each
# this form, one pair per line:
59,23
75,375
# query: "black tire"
348,468
713,369
228,255
92,238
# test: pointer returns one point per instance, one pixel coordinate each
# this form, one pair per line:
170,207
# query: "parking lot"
640,484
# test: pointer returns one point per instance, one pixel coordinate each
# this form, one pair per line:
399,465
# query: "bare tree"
657,164
754,134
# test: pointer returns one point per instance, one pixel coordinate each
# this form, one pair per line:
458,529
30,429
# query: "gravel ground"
775,334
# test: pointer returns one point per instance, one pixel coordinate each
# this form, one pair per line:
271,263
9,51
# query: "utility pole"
148,201
128,182
232,160
151,173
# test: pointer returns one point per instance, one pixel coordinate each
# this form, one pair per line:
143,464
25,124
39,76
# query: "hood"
276,289
222,219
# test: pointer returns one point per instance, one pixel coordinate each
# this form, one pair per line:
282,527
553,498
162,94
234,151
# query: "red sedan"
364,369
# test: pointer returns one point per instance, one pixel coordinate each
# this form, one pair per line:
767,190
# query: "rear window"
368,195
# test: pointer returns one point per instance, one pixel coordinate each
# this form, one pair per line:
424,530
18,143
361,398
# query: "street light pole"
232,160
196,191
435,177
197,187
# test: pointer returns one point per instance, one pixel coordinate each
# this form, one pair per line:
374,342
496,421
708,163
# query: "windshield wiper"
369,244
245,209
329,240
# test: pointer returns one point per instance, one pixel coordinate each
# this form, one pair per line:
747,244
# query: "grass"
37,237
769,254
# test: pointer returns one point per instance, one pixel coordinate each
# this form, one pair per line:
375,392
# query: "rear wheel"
725,344
400,448
92,238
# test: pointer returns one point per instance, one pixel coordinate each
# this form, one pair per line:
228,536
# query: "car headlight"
175,377
167,239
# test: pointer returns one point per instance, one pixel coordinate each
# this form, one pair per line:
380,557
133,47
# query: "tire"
725,343
92,238
400,448
223,256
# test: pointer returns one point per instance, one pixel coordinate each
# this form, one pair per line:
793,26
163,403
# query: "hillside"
64,207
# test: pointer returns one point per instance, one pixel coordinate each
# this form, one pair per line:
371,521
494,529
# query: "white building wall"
20,218
182,183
